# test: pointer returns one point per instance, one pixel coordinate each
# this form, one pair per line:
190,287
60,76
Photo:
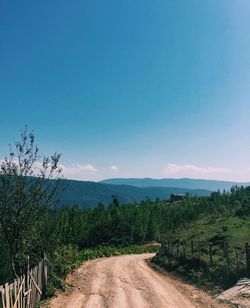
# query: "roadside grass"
211,276
108,251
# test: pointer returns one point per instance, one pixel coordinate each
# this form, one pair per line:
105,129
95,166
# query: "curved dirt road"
127,282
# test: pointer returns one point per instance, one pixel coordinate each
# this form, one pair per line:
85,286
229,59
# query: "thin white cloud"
36,167
75,171
78,169
114,168
192,171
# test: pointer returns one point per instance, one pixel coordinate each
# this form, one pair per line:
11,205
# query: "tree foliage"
26,194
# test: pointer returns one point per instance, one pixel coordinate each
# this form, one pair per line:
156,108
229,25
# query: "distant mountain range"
89,194
212,185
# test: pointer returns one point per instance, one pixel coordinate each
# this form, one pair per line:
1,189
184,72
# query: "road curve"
125,282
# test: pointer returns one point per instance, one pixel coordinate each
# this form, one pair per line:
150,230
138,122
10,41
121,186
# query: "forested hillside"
212,185
89,194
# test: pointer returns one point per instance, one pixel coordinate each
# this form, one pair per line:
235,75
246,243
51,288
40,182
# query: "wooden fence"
220,252
26,290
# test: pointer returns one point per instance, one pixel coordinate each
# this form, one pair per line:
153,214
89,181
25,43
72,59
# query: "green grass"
235,229
108,251
215,276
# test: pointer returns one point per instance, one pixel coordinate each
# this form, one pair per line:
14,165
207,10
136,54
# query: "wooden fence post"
7,295
177,249
164,247
210,252
226,255
26,290
184,249
172,254
247,249
199,250
44,275
28,282
192,249
2,297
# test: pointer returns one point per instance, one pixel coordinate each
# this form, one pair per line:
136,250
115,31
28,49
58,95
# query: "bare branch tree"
29,183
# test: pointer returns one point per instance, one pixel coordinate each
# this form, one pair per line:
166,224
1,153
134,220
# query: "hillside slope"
209,250
88,194
212,185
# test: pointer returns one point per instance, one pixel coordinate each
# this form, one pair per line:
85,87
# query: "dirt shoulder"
127,282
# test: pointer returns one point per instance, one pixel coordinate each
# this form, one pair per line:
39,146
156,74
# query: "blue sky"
130,88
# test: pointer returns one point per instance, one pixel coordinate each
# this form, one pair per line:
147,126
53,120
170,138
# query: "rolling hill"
88,194
212,185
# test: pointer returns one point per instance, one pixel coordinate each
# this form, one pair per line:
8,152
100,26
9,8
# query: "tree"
29,183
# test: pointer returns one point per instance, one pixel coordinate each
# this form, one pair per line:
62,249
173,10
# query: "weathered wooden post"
177,249
173,249
226,255
247,249
210,252
236,254
184,249
199,250
44,275
164,247
28,282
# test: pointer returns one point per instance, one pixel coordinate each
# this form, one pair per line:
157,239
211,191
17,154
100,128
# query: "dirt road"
127,282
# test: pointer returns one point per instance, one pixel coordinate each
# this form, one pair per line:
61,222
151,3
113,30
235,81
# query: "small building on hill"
177,197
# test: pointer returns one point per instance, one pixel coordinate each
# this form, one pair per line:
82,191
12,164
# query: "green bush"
64,259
